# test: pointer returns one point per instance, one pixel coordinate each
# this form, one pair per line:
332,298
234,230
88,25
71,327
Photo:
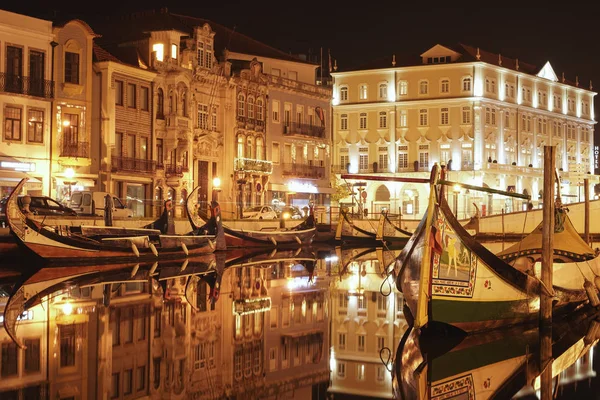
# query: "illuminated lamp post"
456,193
216,188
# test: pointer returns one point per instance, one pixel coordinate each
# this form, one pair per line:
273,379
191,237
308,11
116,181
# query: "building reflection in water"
287,324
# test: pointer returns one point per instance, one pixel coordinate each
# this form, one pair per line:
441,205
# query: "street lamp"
241,181
216,188
456,192
70,179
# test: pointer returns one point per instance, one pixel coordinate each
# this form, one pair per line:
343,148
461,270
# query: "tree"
341,189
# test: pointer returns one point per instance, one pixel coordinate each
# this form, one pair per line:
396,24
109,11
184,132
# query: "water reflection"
297,323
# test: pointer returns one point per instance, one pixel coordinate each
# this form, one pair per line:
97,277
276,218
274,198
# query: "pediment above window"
547,72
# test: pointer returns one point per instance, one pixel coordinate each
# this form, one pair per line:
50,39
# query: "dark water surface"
302,323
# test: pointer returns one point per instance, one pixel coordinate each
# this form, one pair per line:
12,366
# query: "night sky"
566,35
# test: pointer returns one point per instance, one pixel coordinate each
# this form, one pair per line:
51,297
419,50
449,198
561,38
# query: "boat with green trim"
447,276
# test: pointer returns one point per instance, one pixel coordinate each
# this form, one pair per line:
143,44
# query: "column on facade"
478,136
392,164
578,146
500,137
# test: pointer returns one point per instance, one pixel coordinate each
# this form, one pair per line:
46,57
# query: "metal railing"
173,170
303,170
132,164
26,85
296,128
253,165
78,150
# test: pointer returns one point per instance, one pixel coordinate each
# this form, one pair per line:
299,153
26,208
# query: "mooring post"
586,193
547,261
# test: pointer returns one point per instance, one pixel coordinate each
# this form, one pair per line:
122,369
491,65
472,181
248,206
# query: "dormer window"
439,60
174,51
159,50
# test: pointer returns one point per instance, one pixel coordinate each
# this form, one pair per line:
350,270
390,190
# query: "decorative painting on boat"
460,388
454,268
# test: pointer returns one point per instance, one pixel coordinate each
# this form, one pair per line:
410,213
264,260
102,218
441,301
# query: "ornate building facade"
486,116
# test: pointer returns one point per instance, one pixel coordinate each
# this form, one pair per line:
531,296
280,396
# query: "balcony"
303,171
76,150
173,170
26,85
253,166
132,164
304,129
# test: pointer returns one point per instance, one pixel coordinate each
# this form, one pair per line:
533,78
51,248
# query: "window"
362,121
383,159
70,125
344,161
35,126
362,92
341,369
466,115
557,101
127,381
361,342
380,374
402,157
445,86
275,155
141,378
344,93
402,88
119,93
241,105
383,91
423,117
423,87
363,159
12,123
72,67
360,372
344,122
275,72
444,116
466,84
159,50
342,341
380,343
10,359
174,51
382,119
67,345
160,104
250,107
32,355
202,116
259,109
131,95
403,119
275,111
145,98
423,156
127,323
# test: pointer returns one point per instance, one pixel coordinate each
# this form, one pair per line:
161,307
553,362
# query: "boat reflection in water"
234,324
499,364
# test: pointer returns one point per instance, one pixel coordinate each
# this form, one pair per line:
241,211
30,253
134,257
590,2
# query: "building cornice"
129,70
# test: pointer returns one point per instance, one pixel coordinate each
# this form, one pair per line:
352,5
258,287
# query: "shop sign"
17,166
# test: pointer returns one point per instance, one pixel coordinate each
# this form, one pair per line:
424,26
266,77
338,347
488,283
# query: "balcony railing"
78,150
26,85
253,166
303,171
173,170
133,164
304,129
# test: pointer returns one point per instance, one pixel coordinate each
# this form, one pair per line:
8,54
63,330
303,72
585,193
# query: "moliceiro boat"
62,246
301,234
385,232
447,276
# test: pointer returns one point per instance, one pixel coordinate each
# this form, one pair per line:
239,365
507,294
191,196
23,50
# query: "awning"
79,182
11,178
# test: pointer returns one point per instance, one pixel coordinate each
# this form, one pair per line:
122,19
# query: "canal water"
307,323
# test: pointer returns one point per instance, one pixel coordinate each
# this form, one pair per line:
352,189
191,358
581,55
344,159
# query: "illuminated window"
12,123
402,88
344,93
403,119
383,91
362,92
159,50
445,86
174,51
241,105
423,87
444,116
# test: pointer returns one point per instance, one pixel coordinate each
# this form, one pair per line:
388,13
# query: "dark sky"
566,35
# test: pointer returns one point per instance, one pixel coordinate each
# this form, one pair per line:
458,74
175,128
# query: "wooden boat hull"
447,276
268,239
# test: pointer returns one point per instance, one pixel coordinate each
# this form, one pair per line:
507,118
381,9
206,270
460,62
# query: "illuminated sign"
18,166
300,187
596,152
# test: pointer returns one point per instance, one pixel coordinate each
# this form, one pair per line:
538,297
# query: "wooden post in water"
586,193
503,237
547,258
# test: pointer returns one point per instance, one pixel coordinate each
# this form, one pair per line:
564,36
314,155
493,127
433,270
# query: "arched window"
184,104
466,84
249,147
160,104
259,109
241,105
250,107
382,193
240,145
344,93
260,148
